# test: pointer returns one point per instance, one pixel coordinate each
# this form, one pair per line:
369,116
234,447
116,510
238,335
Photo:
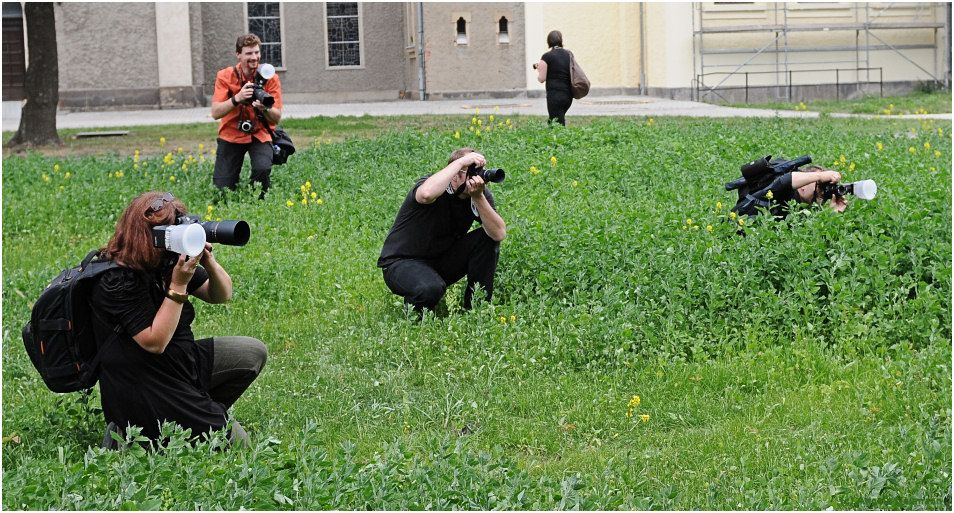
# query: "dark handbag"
282,146
579,84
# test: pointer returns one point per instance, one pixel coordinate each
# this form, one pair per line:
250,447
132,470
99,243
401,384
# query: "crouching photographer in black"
429,247
152,368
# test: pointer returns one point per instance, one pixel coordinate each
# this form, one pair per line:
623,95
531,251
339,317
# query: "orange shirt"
226,82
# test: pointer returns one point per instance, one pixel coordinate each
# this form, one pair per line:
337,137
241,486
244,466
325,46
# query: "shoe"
108,441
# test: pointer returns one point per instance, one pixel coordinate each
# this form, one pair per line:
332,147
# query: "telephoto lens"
489,175
231,233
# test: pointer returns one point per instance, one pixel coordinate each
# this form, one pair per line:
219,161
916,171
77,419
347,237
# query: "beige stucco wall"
106,45
483,63
669,50
604,39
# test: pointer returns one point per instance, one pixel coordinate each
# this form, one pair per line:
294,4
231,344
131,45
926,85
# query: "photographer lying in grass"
156,370
773,185
429,247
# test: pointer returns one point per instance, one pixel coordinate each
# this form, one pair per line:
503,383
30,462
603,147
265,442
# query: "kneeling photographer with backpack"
155,370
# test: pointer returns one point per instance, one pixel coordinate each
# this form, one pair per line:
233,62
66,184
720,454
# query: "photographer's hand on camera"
453,176
219,287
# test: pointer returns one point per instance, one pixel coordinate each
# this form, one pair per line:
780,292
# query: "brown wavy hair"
246,40
131,245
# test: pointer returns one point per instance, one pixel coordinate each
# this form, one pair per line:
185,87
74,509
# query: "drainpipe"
642,51
947,76
420,50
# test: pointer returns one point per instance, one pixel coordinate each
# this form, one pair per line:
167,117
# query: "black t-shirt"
428,231
141,388
782,194
558,70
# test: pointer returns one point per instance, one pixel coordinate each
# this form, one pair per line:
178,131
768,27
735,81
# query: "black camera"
865,189
488,175
258,93
246,125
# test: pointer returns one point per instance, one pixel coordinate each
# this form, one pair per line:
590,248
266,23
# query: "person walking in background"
554,70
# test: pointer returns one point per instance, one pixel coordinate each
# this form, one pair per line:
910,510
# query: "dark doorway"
14,56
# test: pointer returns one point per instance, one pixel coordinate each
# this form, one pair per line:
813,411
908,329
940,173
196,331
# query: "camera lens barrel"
232,233
258,93
493,175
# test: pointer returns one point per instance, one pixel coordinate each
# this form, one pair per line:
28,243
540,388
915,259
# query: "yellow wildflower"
689,222
880,146
644,418
927,146
513,318
314,195
67,175
456,135
841,159
731,215
574,183
289,203
473,121
718,205
503,320
162,141
769,195
741,221
201,146
319,201
304,201
552,161
477,132
172,178
851,167
937,153
46,178
56,168
911,149
709,228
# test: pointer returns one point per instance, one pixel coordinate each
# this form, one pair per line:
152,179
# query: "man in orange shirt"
241,129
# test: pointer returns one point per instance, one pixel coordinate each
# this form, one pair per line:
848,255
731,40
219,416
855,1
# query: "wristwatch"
178,297
235,103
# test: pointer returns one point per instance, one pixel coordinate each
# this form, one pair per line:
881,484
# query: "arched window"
503,34
461,31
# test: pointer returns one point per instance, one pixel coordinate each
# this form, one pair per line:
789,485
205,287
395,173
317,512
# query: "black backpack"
59,337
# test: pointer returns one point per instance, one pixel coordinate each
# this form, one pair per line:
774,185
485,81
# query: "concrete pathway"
591,106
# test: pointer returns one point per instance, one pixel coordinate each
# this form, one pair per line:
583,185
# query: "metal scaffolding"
788,19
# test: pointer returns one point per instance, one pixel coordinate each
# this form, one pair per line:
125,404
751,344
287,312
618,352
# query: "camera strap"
241,105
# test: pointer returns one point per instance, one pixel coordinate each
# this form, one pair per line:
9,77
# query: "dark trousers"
557,105
236,362
422,283
228,163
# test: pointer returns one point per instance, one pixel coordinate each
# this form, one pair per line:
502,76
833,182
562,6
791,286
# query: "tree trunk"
38,118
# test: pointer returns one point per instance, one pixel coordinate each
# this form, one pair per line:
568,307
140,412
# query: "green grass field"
938,102
637,354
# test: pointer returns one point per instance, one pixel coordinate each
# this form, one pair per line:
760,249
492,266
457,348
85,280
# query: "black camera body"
246,125
231,233
258,93
488,175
